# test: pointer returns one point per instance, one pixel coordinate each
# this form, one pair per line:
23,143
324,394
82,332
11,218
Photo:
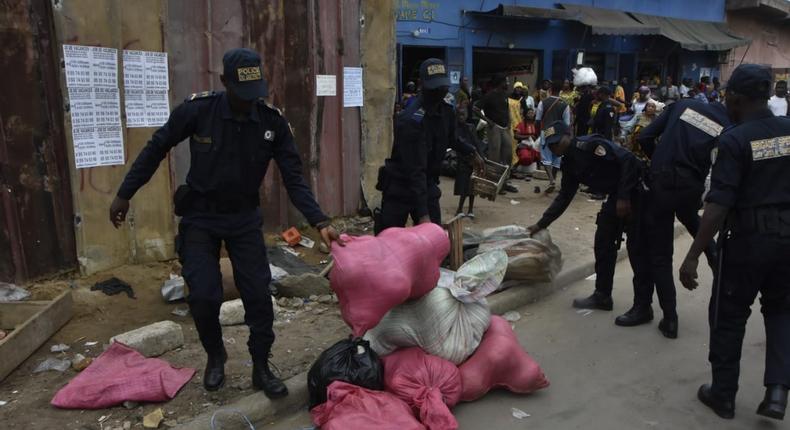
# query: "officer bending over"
749,206
609,169
409,179
233,136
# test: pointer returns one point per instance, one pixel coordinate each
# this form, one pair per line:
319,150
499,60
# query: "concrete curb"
261,410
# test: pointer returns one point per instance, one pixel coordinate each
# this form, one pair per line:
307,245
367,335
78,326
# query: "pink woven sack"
349,407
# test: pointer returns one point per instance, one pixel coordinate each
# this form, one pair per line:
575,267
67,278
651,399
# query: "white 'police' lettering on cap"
249,73
436,69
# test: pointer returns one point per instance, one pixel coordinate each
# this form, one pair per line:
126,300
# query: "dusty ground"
302,333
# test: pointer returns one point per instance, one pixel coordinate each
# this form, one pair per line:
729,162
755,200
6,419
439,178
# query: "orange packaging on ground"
292,236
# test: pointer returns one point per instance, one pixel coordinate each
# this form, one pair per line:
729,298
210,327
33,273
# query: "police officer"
749,205
607,169
604,119
233,136
688,130
409,179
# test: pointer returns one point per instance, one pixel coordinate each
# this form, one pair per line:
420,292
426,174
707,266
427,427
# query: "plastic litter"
518,413
350,360
429,384
374,274
52,364
514,202
584,312
511,316
532,259
174,288
277,272
591,277
180,312
61,347
229,411
352,407
12,293
114,286
3,403
500,362
307,242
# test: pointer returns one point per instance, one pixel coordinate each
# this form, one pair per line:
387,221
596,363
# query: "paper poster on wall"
352,87
455,77
145,81
94,105
325,85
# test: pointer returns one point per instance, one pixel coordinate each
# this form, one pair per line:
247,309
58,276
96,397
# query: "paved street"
607,377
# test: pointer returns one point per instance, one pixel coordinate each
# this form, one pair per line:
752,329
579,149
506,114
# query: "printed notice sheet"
145,81
352,86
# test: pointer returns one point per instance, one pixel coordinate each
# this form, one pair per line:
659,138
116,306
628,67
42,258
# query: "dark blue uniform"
609,169
229,158
687,131
751,176
604,119
409,180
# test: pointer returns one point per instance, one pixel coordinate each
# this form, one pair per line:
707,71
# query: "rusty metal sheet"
352,134
36,237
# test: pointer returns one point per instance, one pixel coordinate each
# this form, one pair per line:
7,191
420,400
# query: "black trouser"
608,234
198,245
397,205
752,263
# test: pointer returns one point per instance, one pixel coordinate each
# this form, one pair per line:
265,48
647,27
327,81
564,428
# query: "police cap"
433,74
243,74
751,80
554,132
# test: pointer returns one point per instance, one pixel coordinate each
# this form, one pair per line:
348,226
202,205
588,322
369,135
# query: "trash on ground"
174,288
61,365
514,202
500,362
411,256
12,293
592,277
180,312
61,347
352,407
92,343
114,286
584,312
307,242
153,419
3,403
511,316
130,405
80,362
350,360
430,385
277,272
292,236
518,413
120,374
291,251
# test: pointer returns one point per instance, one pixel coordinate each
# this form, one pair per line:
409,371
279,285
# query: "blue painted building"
532,40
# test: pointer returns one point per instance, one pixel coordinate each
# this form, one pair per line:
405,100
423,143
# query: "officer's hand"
424,220
534,228
623,208
688,273
329,235
118,210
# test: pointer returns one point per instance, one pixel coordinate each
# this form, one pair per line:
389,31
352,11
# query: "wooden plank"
456,232
13,314
29,336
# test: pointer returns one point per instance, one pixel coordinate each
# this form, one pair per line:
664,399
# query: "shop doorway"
411,58
518,64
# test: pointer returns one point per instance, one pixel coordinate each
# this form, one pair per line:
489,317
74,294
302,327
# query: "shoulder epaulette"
201,95
270,106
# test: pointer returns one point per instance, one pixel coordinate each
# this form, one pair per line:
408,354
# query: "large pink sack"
429,384
374,274
119,374
349,407
500,362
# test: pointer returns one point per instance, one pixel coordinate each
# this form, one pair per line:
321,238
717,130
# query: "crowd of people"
647,155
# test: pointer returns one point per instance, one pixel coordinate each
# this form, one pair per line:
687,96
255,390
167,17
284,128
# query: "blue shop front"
540,39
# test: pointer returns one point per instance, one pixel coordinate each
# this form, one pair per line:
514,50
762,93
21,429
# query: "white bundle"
584,76
531,259
450,321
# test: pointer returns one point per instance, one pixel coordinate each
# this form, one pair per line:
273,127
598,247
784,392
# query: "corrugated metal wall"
36,236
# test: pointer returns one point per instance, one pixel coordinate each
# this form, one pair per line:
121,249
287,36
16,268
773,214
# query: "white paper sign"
145,79
352,86
455,77
94,105
325,85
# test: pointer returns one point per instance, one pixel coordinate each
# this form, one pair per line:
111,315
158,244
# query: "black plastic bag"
350,360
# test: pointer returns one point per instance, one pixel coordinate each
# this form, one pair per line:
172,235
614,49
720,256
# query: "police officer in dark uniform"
409,179
679,164
604,119
608,169
749,205
233,136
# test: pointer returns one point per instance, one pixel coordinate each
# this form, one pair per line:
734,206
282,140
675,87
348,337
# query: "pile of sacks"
422,339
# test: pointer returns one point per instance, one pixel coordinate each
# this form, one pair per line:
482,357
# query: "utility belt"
187,200
762,220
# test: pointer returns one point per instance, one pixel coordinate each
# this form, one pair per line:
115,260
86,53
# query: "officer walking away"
749,206
409,179
603,121
679,164
606,168
233,136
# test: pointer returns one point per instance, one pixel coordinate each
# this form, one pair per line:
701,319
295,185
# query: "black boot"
775,402
635,316
214,376
595,301
669,327
264,379
723,408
